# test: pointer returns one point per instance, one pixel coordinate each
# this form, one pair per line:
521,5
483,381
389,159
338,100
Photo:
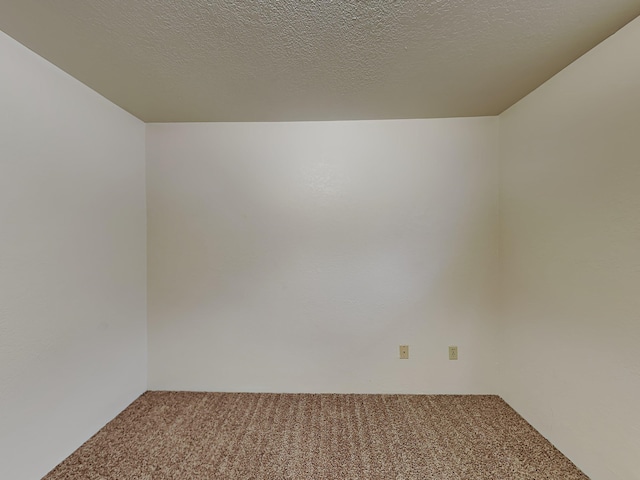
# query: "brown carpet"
186,435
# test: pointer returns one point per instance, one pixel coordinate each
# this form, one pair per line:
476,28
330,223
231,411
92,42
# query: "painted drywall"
72,262
570,253
297,257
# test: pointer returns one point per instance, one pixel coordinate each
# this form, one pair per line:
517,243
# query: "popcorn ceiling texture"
212,60
187,435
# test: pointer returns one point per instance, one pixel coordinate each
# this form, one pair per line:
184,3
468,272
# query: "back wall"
297,257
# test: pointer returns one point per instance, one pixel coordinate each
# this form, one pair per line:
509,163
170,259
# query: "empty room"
320,239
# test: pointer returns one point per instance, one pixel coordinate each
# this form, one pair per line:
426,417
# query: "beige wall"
570,202
296,257
72,262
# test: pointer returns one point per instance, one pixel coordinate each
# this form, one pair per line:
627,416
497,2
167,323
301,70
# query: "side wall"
569,344
297,257
72,262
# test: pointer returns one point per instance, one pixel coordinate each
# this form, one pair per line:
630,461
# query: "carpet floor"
189,436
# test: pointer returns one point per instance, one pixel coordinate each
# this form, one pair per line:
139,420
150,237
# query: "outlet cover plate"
404,352
453,352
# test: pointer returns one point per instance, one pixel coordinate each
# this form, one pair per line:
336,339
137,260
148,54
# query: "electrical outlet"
453,353
404,352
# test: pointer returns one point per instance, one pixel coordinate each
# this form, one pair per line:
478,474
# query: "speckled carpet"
188,436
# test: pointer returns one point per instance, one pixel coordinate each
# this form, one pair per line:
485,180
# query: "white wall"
296,257
570,342
72,262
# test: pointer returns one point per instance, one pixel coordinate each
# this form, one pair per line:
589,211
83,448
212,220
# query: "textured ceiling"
263,60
